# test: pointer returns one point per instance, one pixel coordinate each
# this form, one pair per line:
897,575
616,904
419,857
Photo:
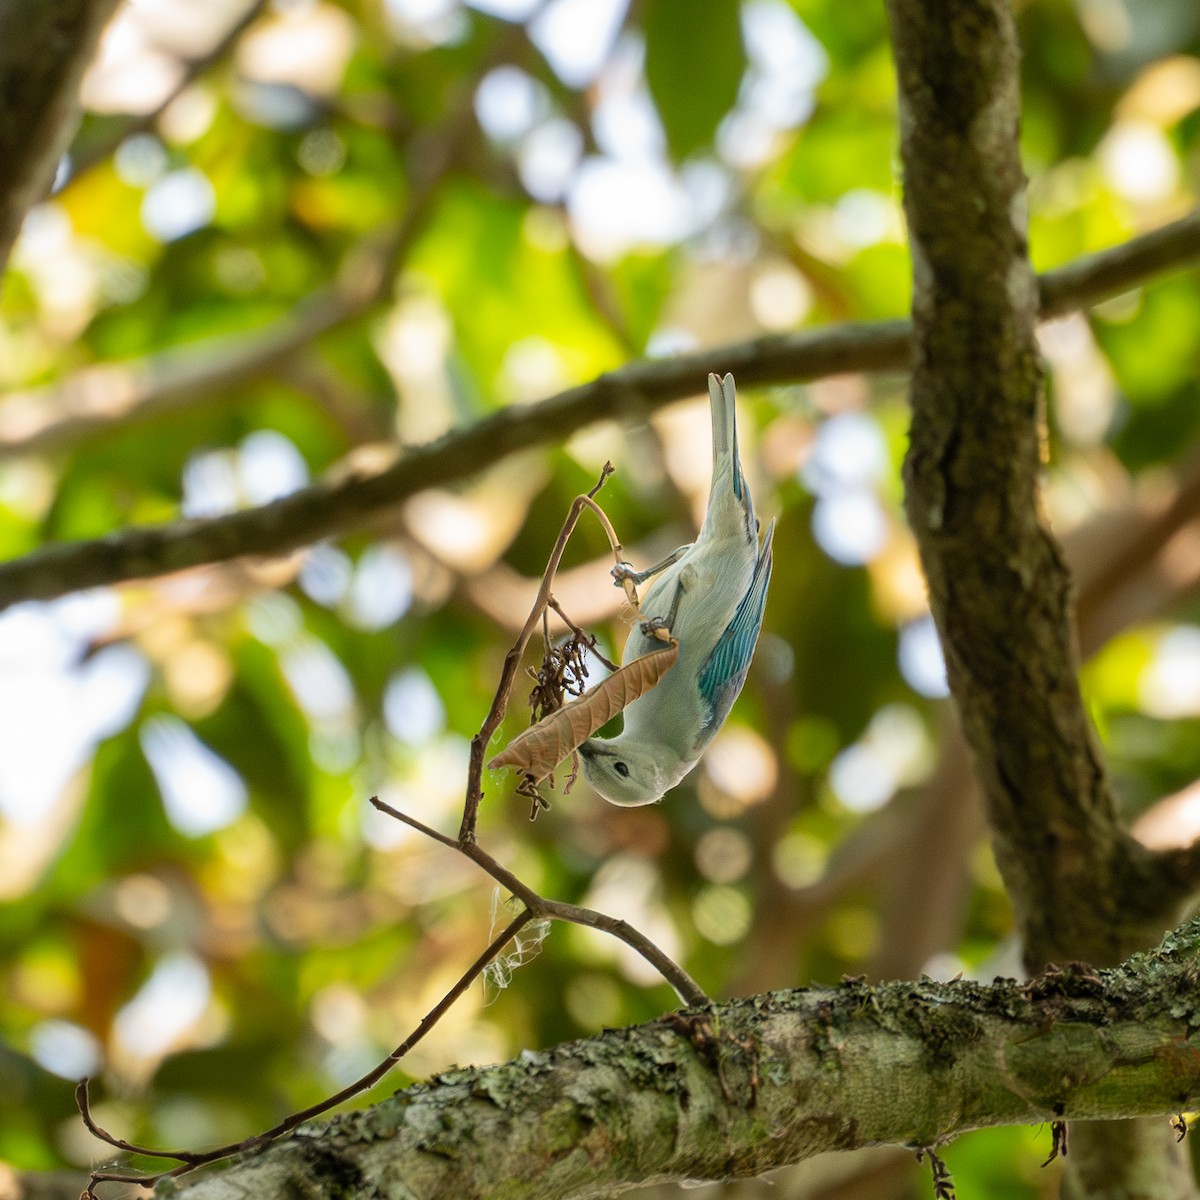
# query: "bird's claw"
657,627
625,577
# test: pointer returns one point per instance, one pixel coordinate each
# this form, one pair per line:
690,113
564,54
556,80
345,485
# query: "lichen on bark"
740,1088
999,588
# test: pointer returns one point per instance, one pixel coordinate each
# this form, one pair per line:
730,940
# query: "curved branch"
108,396
761,1083
189,1160
632,392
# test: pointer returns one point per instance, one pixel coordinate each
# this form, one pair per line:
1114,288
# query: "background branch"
102,398
87,154
108,396
330,508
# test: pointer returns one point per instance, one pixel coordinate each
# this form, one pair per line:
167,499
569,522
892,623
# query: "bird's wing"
722,676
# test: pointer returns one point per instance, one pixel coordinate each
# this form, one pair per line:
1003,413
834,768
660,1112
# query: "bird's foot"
657,627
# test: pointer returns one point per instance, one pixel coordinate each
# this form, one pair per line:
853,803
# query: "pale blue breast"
674,713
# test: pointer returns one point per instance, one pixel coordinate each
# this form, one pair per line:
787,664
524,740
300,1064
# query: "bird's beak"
587,749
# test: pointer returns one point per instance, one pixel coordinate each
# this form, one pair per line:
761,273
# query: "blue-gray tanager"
710,595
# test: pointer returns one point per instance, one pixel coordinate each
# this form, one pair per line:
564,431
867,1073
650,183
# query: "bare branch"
686,988
632,392
45,46
189,1160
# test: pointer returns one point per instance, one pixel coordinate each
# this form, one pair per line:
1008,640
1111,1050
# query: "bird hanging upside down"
709,596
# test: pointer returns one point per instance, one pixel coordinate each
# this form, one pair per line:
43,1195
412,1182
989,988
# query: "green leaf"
694,64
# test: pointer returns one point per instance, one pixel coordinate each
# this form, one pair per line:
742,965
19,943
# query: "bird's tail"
730,509
722,396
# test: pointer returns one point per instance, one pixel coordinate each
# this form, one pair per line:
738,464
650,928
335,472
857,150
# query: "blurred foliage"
199,905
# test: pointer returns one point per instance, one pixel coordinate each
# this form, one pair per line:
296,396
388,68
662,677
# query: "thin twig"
512,660
83,1103
384,807
581,634
190,1160
688,990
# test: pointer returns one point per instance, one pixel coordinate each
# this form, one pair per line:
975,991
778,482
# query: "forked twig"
535,906
581,634
190,1160
538,906
512,660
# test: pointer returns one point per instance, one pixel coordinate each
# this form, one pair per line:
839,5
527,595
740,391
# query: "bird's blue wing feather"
722,676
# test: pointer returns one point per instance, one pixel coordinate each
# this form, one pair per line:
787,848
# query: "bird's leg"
660,627
623,571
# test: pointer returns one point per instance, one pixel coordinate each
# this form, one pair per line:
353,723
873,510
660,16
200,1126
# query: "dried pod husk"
540,749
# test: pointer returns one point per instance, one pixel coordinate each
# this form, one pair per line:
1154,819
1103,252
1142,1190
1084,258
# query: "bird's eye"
621,769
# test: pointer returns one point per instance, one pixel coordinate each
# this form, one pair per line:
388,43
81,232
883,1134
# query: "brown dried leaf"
543,746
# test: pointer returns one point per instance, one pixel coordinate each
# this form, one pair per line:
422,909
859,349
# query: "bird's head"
628,775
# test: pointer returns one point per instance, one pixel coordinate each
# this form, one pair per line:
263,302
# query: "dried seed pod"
538,750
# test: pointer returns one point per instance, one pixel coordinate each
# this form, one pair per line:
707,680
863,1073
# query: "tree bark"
999,587
45,46
760,1083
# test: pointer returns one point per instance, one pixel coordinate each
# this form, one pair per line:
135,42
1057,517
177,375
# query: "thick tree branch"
760,1083
999,588
327,509
45,46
